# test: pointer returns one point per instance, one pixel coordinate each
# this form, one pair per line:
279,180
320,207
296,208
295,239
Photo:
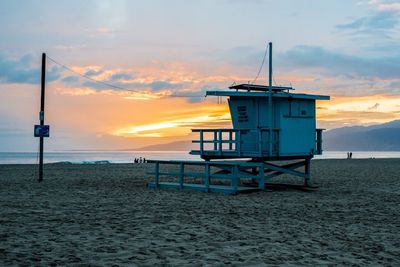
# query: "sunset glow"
115,83
183,126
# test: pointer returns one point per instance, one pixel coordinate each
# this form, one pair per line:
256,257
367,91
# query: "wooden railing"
234,140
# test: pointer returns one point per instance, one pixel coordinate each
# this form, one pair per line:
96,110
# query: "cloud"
391,7
154,85
385,5
374,107
160,129
240,55
336,63
341,111
348,117
69,47
369,24
100,78
198,95
70,79
104,30
121,76
145,95
382,21
395,85
12,132
159,85
24,70
93,72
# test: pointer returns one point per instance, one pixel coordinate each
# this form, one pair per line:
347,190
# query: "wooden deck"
222,176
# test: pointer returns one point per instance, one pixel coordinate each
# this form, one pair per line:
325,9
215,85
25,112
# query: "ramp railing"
208,176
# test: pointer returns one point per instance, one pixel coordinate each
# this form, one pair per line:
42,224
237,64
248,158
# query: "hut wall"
297,127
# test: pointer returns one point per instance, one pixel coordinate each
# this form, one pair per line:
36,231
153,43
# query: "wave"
84,162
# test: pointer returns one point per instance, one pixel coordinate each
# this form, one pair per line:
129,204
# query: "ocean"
91,157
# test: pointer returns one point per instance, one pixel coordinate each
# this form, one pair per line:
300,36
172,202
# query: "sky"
158,58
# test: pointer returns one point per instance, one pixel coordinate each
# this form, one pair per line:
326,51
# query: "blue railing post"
230,140
215,140
201,142
220,141
238,142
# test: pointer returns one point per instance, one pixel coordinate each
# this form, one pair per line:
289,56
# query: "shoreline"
124,157
108,162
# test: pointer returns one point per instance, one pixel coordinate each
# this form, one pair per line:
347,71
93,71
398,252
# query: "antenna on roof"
270,66
270,98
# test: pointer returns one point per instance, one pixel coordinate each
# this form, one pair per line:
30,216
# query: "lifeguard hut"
271,124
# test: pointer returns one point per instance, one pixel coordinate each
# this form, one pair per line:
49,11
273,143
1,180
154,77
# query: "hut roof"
252,90
256,87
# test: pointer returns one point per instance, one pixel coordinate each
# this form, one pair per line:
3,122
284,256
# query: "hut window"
242,112
299,109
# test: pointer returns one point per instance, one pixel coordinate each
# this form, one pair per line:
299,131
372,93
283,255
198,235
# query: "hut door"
263,115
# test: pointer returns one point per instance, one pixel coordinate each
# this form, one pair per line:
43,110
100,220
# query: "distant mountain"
174,146
381,137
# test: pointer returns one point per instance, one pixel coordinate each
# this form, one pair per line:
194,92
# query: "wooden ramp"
229,177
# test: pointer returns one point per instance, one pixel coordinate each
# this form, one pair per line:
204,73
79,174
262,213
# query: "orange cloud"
75,91
179,124
341,111
124,113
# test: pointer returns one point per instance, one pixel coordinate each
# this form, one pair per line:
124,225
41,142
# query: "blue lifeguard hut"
271,125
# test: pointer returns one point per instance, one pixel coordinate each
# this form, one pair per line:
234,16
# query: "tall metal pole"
41,115
270,99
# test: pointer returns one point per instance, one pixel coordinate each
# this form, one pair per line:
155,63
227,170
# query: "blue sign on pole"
42,130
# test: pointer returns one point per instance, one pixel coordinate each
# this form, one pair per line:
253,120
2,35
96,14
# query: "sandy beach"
104,215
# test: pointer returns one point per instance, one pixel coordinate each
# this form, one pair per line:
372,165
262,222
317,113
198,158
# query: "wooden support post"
235,177
181,175
157,174
261,179
207,177
319,142
307,180
41,115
